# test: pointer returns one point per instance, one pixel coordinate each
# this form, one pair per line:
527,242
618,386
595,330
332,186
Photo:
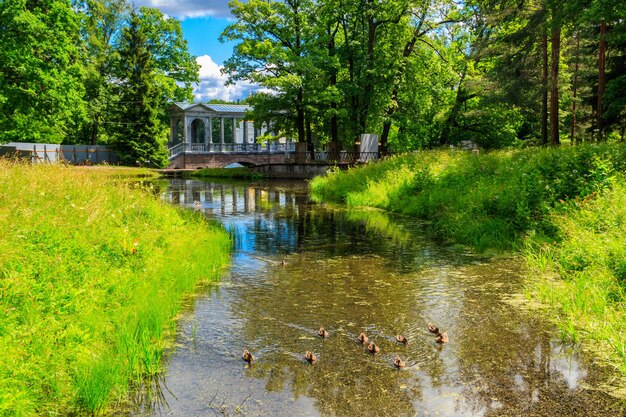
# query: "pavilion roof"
220,108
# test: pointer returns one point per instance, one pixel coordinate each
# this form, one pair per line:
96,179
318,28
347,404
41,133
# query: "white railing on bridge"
251,148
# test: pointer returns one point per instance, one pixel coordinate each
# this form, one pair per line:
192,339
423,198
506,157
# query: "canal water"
297,266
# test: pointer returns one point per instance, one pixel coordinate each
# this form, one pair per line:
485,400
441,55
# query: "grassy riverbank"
92,274
235,173
564,209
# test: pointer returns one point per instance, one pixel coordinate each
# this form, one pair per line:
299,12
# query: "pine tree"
139,138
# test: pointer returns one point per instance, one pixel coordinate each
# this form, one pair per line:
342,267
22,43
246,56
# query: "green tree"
153,68
139,136
41,90
102,22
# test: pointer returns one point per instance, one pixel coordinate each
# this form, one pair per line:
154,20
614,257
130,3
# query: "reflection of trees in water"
508,364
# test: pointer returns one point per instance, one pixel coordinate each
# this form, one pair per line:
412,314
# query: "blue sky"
203,21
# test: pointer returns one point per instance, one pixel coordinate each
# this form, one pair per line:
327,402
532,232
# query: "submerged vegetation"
564,208
92,274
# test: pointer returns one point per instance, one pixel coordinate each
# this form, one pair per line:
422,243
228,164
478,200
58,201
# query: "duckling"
282,263
363,338
402,339
373,349
399,363
310,357
442,338
433,329
247,357
322,333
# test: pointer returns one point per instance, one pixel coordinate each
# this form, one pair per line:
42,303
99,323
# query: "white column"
187,133
207,133
222,130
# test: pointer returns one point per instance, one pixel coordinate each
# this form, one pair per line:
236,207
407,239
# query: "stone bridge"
195,156
279,160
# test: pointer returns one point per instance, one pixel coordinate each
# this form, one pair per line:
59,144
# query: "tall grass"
91,275
486,201
583,273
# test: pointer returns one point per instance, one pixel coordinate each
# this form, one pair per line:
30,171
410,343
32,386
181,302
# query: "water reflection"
353,272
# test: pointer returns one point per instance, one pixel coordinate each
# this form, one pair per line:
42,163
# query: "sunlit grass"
590,261
92,273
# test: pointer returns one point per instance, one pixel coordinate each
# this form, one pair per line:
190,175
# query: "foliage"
84,259
487,201
64,75
40,72
139,137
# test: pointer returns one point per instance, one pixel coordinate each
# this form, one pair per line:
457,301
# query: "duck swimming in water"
433,329
363,338
398,363
310,357
442,338
402,339
247,356
373,349
322,333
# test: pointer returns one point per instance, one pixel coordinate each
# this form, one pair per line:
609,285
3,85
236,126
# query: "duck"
433,329
442,338
363,338
282,263
402,339
247,356
399,363
373,349
310,357
322,333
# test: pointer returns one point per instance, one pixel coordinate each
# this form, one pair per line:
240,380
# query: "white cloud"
183,9
212,83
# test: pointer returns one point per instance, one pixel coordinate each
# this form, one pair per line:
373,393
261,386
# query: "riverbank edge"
233,173
95,271
585,308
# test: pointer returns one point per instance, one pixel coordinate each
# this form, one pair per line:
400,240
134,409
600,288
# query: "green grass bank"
564,209
235,173
93,271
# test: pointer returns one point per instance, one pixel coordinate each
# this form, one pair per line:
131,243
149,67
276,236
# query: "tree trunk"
451,119
334,129
601,79
544,88
309,137
408,49
554,92
575,89
300,116
94,130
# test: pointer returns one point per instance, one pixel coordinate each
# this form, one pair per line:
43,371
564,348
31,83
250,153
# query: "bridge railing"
253,148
